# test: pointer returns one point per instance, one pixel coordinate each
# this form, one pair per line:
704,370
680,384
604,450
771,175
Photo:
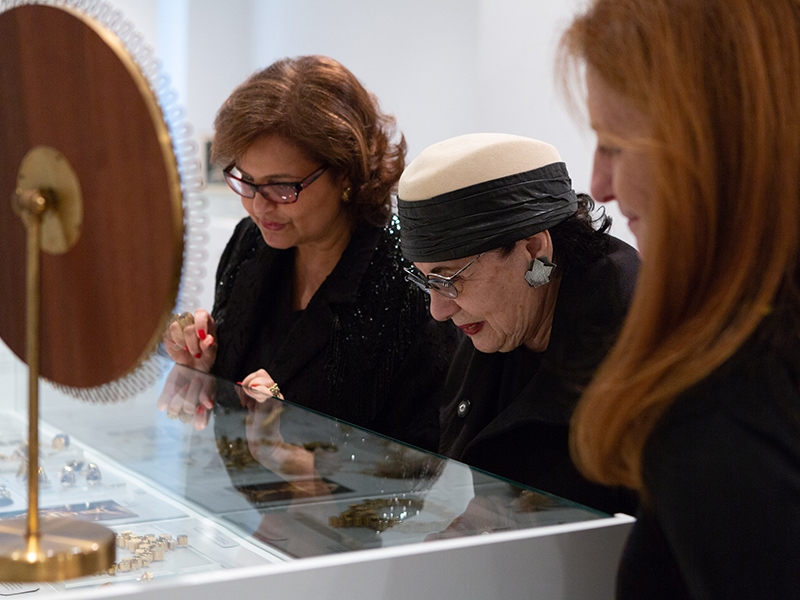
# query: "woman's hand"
188,396
261,386
262,398
191,340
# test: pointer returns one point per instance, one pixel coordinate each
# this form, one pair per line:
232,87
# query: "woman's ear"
540,245
539,250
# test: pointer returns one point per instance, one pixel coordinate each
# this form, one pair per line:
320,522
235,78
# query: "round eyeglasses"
445,285
283,192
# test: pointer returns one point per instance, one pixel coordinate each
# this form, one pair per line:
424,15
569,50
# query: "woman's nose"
601,186
261,205
442,307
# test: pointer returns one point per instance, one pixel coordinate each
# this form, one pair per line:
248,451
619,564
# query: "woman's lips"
272,226
471,328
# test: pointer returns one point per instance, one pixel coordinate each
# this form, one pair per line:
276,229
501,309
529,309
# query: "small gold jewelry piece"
275,390
235,453
145,549
378,514
346,194
60,442
183,319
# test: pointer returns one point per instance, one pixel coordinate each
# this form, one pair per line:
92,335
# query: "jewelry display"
235,453
69,473
324,446
378,514
144,550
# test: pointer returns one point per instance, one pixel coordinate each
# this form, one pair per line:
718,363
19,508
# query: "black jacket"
365,350
508,413
722,470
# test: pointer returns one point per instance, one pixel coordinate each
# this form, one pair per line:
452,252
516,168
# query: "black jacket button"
463,408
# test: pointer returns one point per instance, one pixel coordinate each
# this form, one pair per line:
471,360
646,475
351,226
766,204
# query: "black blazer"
508,413
365,350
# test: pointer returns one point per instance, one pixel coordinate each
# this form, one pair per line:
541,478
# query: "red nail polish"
186,348
201,410
199,355
201,333
238,383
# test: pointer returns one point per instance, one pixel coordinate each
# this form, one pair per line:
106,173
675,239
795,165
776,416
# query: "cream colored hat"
478,192
469,159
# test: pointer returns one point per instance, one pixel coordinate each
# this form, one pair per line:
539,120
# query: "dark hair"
319,105
580,240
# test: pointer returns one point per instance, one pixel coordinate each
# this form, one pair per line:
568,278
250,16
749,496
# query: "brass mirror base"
65,549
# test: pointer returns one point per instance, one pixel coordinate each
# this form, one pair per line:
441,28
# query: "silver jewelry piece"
93,475
538,273
67,476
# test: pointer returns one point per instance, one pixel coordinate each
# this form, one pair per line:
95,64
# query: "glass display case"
258,496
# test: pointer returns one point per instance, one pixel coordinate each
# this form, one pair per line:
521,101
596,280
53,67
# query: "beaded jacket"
365,350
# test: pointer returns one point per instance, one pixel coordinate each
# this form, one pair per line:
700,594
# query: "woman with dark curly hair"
515,259
310,291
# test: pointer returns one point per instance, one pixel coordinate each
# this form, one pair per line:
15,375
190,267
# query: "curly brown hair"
319,105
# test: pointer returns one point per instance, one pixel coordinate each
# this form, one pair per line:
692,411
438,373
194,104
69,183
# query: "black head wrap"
487,215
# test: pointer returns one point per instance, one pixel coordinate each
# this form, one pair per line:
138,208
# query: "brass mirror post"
54,549
111,244
31,206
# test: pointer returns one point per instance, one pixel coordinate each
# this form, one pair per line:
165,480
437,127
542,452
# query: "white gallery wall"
442,67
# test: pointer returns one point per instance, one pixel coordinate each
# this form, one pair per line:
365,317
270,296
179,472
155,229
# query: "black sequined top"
365,350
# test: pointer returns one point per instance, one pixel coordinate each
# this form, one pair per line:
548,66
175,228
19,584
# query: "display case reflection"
243,480
319,485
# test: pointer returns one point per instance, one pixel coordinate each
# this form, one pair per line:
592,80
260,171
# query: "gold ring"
183,319
275,390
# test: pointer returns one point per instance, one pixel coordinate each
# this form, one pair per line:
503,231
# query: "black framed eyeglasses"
283,192
445,285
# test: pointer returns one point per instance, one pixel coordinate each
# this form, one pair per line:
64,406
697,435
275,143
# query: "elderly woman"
310,289
510,254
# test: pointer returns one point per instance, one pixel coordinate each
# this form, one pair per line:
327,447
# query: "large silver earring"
538,273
